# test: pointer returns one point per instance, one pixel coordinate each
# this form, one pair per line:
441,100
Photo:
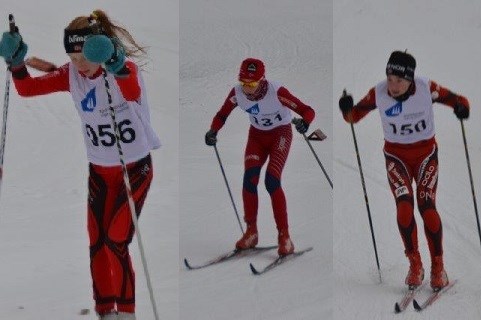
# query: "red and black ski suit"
110,226
416,161
261,145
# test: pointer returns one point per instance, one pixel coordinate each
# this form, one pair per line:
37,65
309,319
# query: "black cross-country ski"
279,260
236,253
407,298
434,296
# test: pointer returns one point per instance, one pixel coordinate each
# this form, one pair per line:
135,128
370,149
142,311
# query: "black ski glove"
301,125
211,138
346,103
461,111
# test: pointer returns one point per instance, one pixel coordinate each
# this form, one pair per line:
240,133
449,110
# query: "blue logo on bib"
395,110
89,102
254,109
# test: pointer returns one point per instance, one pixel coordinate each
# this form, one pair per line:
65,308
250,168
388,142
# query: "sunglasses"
251,84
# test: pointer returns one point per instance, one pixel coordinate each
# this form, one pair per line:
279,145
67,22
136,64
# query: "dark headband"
73,40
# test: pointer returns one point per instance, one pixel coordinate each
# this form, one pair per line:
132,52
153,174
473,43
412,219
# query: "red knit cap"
252,70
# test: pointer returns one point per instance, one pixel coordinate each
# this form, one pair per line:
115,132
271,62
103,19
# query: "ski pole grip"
11,23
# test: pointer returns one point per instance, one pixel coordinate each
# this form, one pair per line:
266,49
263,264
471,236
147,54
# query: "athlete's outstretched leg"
121,231
255,156
100,199
400,179
427,182
279,150
400,182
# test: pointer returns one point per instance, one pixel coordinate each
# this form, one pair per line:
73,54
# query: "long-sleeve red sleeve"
447,97
290,101
28,86
221,116
129,85
362,108
58,80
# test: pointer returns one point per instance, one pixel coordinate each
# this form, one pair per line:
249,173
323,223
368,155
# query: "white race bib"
409,121
137,137
267,113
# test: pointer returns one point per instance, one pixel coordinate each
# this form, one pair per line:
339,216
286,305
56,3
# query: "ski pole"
6,98
470,178
128,189
366,200
131,202
228,188
295,121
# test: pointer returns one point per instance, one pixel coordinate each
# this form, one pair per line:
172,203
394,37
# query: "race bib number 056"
104,134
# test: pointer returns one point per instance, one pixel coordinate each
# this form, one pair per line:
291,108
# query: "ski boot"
285,244
439,278
249,239
416,271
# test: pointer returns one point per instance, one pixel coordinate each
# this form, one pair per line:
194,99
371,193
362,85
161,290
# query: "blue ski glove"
101,49
12,48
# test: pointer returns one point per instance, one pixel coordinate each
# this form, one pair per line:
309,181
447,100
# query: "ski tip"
187,265
416,305
254,270
397,308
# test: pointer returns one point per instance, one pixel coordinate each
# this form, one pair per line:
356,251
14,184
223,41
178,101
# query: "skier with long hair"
95,44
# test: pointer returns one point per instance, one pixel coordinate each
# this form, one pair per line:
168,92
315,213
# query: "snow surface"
44,269
294,38
443,36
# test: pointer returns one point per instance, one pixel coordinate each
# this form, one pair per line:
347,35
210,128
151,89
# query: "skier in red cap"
405,103
269,106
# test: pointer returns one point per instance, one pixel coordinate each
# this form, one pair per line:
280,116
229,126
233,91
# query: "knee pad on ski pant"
405,211
272,183
431,219
251,179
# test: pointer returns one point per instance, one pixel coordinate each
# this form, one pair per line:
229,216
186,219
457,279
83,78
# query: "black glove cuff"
19,72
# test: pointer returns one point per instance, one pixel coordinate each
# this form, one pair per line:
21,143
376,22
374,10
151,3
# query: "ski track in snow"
43,239
44,267
365,33
215,37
